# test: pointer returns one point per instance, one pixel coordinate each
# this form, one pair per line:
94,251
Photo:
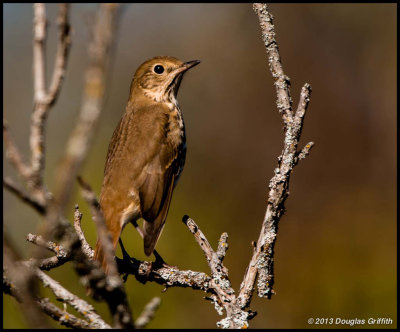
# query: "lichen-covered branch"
224,295
77,303
63,317
261,264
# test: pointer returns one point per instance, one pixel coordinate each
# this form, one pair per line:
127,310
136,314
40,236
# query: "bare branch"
63,317
77,303
80,139
39,40
39,114
148,313
282,82
50,245
11,186
13,155
42,99
304,152
222,246
62,255
261,263
21,282
220,284
77,225
64,41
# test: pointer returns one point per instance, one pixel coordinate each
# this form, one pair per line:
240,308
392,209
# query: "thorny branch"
74,246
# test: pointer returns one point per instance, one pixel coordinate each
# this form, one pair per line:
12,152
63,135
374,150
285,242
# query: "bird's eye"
158,69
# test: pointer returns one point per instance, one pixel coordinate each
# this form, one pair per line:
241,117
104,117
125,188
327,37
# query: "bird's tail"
151,234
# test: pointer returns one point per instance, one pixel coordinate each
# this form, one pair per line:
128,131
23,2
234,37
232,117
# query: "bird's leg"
125,255
159,260
126,259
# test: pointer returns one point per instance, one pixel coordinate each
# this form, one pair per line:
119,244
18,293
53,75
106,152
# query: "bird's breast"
176,128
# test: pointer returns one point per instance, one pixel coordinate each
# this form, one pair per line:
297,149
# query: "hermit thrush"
146,154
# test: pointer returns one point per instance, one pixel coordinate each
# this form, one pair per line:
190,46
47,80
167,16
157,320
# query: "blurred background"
335,255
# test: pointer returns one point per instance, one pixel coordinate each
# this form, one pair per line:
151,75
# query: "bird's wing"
152,228
156,184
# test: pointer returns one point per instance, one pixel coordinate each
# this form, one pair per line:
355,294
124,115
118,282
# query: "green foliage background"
336,250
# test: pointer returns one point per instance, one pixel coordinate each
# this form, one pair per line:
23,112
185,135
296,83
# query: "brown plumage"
146,154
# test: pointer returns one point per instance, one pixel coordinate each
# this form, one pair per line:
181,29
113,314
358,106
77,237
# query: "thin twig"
77,225
222,246
59,250
77,303
148,313
13,155
62,255
11,186
42,99
39,40
63,46
63,317
22,283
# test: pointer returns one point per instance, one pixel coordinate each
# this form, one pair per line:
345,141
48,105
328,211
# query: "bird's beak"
188,65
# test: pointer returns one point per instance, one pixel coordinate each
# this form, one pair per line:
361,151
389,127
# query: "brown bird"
146,154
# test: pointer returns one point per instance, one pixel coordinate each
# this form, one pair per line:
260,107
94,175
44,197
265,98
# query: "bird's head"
159,78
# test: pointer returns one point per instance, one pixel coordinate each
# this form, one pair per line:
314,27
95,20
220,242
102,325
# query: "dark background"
336,250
